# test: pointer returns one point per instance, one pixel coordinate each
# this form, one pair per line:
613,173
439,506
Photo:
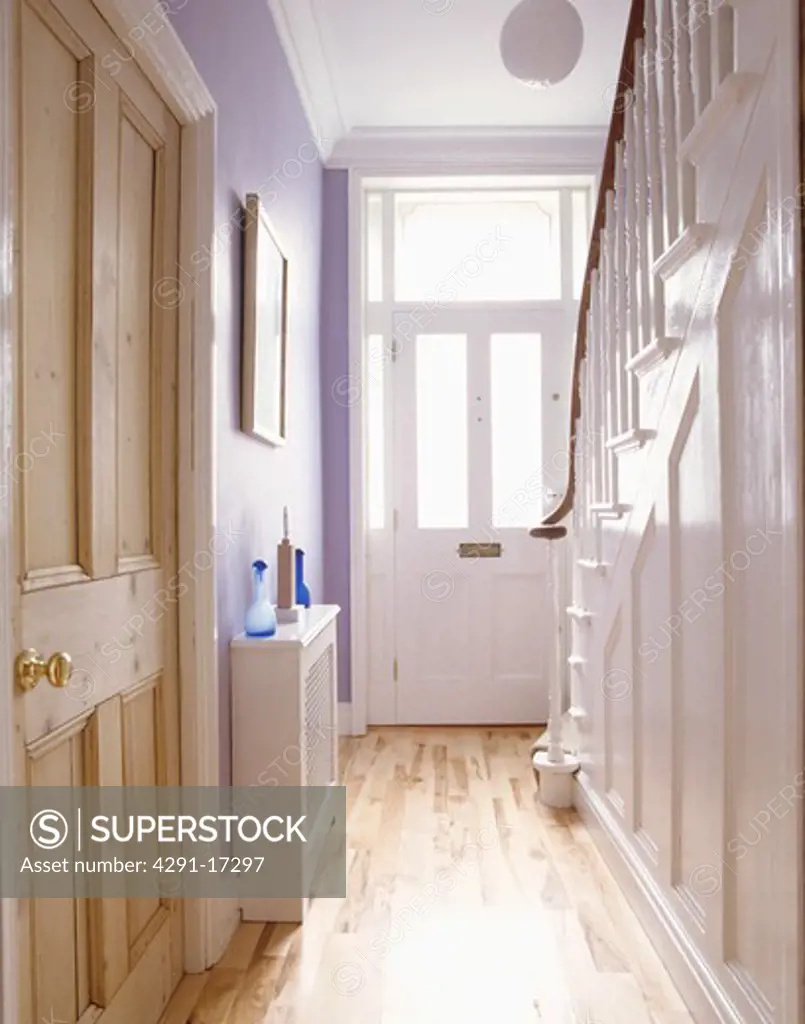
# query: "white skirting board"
696,981
345,718
224,919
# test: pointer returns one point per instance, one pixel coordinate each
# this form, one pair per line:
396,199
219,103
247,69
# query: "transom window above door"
477,245
483,246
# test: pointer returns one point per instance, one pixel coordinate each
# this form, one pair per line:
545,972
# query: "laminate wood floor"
467,902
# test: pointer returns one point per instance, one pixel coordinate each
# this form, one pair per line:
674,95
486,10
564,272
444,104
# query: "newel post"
554,766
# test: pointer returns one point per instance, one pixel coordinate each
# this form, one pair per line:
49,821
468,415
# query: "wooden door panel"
60,929
50,134
142,716
148,986
117,633
135,512
142,739
107,916
99,114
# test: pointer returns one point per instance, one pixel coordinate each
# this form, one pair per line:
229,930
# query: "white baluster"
643,217
632,341
583,482
584,429
654,160
668,118
682,68
723,42
635,186
580,468
591,412
614,377
556,752
589,447
597,386
589,453
699,28
685,109
624,247
606,377
613,271
555,767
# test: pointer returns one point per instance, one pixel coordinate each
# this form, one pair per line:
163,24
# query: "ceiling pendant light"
541,41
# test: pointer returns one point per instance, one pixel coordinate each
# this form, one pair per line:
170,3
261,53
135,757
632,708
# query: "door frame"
353,717
164,60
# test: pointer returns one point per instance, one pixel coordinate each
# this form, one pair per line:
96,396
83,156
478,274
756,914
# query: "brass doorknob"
30,666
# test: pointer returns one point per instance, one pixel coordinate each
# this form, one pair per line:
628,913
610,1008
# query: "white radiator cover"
285,719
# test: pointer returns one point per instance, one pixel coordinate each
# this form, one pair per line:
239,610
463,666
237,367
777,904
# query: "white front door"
473,618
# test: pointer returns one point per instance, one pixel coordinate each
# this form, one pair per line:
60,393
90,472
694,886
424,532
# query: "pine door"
95,483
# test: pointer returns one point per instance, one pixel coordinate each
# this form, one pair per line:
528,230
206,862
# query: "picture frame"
265,329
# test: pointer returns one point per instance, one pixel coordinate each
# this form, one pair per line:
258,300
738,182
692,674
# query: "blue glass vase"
261,619
302,589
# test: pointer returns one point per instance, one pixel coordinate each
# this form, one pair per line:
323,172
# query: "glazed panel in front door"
95,483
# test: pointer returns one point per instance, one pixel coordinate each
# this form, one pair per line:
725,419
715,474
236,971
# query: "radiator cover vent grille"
319,728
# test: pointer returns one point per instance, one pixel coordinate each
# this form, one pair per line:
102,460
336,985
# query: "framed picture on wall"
265,329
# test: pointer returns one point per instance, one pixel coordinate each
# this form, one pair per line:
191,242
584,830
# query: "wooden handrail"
626,77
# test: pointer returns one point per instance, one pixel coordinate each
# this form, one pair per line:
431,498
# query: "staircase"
683,506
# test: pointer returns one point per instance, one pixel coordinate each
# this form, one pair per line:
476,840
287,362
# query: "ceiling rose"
541,41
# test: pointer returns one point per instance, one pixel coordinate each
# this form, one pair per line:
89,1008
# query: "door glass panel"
374,248
516,429
581,237
376,432
441,426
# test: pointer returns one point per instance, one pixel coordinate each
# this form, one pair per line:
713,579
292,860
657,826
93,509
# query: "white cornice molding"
297,28
570,150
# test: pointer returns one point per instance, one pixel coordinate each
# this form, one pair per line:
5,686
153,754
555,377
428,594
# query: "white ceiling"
435,65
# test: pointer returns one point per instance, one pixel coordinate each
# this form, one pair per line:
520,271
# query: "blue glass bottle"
261,619
302,589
